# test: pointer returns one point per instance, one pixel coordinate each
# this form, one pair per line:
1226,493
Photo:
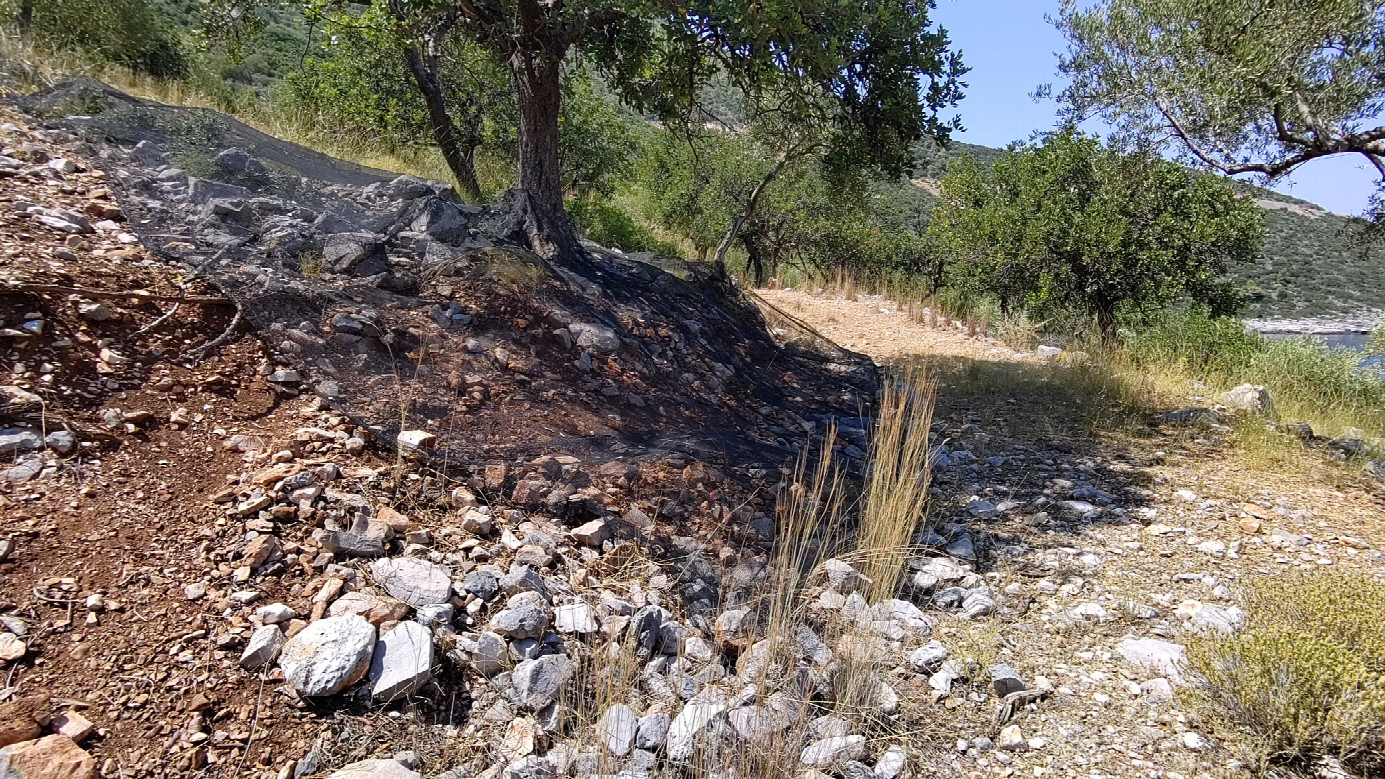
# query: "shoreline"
1361,323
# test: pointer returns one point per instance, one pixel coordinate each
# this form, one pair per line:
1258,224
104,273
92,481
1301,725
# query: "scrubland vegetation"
1131,260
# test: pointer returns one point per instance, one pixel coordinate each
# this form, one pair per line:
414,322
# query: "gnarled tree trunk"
538,87
460,157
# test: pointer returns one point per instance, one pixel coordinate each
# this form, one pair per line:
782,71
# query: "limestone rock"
1006,680
403,661
700,712
652,731
375,769
1249,398
263,647
521,618
617,729
842,578
833,751
329,655
375,609
538,682
1162,656
595,337
575,618
414,581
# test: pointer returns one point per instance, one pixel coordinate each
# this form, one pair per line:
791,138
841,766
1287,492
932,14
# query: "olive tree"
1243,86
875,72
1068,224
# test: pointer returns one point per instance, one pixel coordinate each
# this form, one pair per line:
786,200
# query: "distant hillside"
1310,267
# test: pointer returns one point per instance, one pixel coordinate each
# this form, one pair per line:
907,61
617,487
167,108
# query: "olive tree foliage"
877,71
361,80
814,218
1243,86
1070,225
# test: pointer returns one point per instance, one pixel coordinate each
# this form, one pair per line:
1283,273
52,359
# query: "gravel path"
1097,530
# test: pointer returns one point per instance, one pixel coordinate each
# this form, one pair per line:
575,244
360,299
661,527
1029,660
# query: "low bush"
1310,381
610,226
1305,678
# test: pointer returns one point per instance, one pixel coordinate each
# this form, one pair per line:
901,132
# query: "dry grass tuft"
896,491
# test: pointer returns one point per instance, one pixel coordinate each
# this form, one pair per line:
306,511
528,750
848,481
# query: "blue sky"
1011,50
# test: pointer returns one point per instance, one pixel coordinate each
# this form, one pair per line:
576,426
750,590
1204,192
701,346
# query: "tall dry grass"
896,491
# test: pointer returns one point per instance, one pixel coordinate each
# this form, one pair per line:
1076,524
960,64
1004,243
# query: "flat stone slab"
403,661
414,581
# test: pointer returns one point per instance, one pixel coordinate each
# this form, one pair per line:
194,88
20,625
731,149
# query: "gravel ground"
1099,529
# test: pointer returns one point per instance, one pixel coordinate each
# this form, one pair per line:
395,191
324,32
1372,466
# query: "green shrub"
120,32
610,226
1308,379
1306,676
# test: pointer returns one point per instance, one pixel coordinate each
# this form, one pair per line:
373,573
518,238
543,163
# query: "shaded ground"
1167,518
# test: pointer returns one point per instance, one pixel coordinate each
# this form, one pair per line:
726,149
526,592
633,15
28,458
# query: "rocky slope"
442,509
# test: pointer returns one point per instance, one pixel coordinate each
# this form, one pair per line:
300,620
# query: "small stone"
574,618
521,618
843,578
617,729
414,581
11,648
375,609
410,440
1011,740
1006,680
891,764
652,730
1158,690
375,769
263,647
489,656
683,732
593,533
1161,656
474,521
73,725
274,613
833,751
929,657
482,584
538,682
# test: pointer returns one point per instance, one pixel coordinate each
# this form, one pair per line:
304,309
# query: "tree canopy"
875,72
1071,225
1244,86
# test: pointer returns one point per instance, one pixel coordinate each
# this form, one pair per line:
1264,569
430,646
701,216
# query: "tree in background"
1071,225
383,76
877,71
1245,86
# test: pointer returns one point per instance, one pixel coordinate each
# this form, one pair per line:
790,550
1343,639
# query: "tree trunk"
460,158
25,17
1106,321
756,259
744,216
538,87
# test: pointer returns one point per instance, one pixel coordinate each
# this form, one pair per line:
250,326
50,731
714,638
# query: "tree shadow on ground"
1054,449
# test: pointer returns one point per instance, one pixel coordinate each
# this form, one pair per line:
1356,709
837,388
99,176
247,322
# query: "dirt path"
1097,529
